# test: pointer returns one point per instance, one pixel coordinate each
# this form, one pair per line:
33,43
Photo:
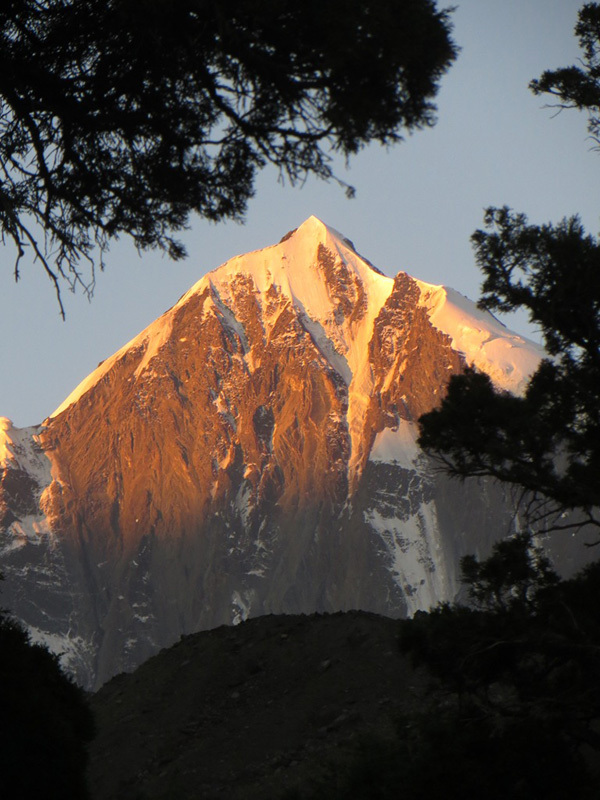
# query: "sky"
415,208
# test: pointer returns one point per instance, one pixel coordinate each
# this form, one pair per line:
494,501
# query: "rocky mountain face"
251,452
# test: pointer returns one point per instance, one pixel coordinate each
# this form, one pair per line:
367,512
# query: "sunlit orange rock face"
253,451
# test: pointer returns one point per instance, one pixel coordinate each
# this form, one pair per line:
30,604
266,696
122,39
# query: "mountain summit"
252,451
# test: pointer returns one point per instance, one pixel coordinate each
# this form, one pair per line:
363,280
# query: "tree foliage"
517,669
518,680
45,721
547,441
511,578
122,119
511,707
579,86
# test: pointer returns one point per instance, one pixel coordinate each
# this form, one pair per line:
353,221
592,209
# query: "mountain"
252,452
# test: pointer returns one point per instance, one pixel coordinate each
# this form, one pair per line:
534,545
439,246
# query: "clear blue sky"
415,208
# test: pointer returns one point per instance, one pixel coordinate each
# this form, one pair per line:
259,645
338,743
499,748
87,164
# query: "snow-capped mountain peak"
253,450
339,295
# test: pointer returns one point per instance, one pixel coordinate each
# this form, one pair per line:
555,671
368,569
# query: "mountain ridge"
434,296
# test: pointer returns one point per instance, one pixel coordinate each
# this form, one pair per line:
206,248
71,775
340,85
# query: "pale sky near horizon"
416,205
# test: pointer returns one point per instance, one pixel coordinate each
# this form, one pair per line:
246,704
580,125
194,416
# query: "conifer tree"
45,722
548,441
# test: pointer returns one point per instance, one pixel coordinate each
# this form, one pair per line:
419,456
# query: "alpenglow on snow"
253,451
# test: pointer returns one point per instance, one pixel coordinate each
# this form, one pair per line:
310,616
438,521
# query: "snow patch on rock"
73,652
414,555
397,445
19,447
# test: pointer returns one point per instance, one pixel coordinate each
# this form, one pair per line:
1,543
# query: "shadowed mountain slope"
250,711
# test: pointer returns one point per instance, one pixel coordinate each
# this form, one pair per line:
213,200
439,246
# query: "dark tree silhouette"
511,704
579,86
45,722
513,708
516,709
548,441
121,118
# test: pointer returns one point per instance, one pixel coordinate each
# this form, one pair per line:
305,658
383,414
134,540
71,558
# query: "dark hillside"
251,711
